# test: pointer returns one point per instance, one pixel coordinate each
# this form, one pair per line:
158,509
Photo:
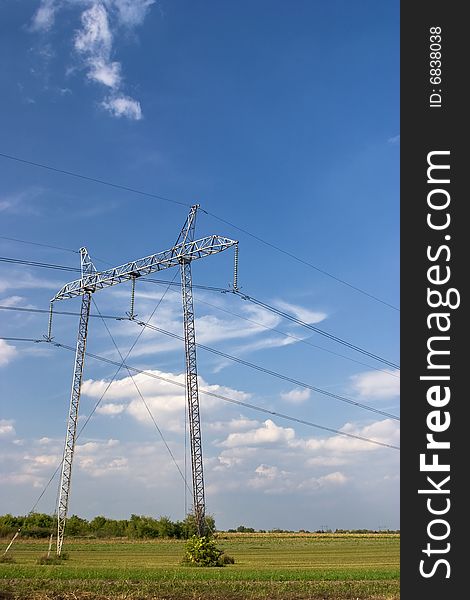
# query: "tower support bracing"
69,448
181,254
192,393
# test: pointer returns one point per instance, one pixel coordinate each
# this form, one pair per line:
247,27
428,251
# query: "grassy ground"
268,567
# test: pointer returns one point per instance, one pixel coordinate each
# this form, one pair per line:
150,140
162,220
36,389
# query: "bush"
53,559
202,551
7,559
227,559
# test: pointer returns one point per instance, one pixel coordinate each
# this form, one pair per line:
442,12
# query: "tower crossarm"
186,251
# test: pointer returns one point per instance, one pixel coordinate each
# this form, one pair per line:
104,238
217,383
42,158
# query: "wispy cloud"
18,281
394,140
302,313
44,17
123,106
22,202
94,43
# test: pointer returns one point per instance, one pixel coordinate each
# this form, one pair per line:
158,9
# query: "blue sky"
281,118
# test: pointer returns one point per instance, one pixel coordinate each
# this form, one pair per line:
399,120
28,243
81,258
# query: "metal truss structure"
181,254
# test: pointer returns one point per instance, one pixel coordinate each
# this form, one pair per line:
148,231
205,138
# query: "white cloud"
270,480
44,17
268,433
238,424
12,301
94,43
329,480
394,140
386,431
21,202
5,205
296,396
377,384
132,12
166,401
6,427
18,281
302,313
266,342
7,353
123,106
111,409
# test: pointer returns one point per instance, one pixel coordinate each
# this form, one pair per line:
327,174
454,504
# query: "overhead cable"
241,229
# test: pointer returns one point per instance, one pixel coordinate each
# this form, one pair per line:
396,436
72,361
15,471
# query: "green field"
268,566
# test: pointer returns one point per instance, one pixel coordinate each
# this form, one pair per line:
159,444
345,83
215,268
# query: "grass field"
268,566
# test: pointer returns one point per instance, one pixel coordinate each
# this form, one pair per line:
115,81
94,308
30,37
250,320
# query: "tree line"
41,525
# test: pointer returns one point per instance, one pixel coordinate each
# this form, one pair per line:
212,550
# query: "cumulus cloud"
376,384
166,401
7,353
101,22
111,409
296,396
330,480
267,433
6,428
386,431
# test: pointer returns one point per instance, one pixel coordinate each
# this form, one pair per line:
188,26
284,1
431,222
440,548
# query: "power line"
221,397
241,229
288,335
251,299
272,373
4,237
234,359
56,267
92,179
322,332
142,397
19,339
302,261
102,395
230,400
297,338
33,263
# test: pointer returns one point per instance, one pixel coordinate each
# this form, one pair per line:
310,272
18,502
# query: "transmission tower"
185,250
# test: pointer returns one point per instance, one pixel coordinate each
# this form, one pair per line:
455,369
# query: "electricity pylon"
185,250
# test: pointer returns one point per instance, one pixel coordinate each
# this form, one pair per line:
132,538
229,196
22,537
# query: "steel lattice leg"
193,398
64,489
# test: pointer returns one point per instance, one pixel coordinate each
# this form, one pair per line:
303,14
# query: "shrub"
227,559
7,559
203,552
52,559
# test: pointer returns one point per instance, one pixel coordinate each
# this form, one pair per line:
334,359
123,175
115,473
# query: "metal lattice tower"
192,391
66,474
181,254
